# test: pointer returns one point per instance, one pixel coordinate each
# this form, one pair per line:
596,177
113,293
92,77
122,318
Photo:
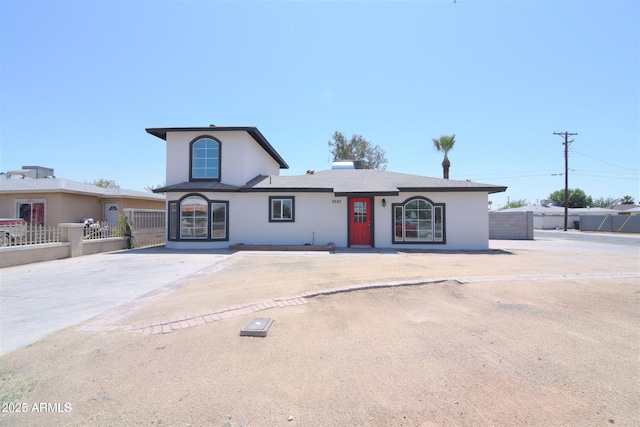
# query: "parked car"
12,230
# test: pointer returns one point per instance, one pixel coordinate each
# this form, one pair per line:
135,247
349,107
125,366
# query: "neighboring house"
631,211
50,201
224,187
627,209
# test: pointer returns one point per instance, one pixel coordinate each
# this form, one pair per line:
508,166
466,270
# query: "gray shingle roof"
197,186
343,182
57,185
369,181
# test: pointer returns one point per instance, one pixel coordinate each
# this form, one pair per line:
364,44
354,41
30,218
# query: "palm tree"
445,143
627,200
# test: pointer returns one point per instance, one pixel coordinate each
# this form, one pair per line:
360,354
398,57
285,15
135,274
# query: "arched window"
194,218
205,159
418,220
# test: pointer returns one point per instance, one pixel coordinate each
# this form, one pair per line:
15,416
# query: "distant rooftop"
34,172
61,185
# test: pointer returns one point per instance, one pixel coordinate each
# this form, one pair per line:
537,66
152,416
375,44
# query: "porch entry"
111,210
360,221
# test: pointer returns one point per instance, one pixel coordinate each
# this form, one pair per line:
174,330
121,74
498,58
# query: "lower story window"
173,220
31,210
418,220
281,209
194,217
218,220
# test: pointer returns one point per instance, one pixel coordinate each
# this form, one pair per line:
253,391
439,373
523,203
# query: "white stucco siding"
242,158
467,217
178,156
466,221
321,218
317,221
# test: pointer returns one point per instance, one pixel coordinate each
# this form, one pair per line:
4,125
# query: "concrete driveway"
574,241
39,299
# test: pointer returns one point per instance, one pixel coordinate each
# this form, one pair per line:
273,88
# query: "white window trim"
18,202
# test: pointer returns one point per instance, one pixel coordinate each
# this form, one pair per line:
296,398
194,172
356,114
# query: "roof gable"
252,131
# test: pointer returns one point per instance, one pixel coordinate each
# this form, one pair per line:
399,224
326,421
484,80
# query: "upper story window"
205,159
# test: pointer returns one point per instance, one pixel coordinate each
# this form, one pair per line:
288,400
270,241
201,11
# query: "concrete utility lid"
256,327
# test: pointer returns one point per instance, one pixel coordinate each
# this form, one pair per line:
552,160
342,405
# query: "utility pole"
566,173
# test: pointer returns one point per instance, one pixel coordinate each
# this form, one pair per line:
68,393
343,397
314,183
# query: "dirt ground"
527,338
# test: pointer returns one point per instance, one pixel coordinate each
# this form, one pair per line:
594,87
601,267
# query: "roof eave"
184,190
489,190
366,193
286,190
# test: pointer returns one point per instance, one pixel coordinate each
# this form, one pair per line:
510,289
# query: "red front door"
360,221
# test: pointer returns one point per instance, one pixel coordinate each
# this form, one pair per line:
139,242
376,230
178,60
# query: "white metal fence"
105,230
147,227
18,235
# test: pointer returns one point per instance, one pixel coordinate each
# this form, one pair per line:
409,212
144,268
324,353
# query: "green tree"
445,144
515,204
357,148
105,183
602,202
150,188
627,200
577,198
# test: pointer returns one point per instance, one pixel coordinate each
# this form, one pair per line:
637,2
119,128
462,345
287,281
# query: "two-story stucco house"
223,186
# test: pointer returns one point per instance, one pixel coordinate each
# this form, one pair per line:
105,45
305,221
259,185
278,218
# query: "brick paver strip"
105,322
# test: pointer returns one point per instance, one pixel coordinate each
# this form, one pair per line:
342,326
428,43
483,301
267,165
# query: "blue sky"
81,80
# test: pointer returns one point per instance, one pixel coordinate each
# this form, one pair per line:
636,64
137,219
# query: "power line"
566,173
602,161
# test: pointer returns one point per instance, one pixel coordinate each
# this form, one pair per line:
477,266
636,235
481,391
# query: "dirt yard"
494,339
